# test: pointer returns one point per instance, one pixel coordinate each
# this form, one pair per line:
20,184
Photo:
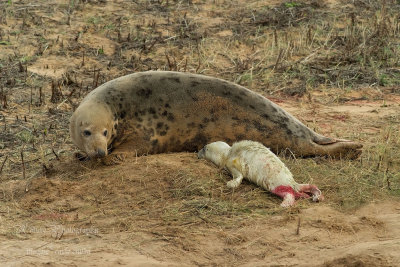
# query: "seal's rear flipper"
311,190
322,140
337,148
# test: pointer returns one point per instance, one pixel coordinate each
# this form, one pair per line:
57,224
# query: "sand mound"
173,209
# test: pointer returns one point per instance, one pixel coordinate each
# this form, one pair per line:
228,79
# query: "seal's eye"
86,133
105,133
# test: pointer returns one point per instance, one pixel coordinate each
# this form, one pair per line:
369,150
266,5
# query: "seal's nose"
200,154
100,152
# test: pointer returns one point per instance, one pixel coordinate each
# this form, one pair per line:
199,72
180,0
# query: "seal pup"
255,162
161,111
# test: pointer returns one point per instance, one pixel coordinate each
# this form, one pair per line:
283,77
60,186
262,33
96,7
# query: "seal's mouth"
81,157
109,149
97,153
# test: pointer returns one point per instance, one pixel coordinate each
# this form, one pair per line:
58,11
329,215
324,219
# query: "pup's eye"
86,133
105,133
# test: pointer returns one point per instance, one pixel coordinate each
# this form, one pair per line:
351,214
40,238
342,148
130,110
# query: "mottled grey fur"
161,111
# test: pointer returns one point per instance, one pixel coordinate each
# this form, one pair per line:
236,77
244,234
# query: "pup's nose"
100,152
200,154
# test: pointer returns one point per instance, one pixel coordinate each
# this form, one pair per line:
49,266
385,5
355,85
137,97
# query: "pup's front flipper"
237,178
232,166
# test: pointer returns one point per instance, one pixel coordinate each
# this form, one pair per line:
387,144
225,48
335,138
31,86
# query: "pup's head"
92,129
215,152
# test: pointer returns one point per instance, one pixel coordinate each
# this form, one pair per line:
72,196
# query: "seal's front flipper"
232,166
237,179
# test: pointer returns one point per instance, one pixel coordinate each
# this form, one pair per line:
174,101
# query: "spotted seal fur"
161,111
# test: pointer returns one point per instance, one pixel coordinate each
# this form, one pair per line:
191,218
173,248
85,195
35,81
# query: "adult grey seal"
161,111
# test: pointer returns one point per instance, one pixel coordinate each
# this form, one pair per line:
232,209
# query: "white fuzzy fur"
250,160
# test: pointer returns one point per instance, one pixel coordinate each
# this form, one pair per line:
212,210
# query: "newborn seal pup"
255,162
161,111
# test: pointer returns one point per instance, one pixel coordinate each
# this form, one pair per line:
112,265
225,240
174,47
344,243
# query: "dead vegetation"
292,48
306,53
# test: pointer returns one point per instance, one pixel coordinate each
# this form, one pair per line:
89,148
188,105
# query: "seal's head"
92,129
215,152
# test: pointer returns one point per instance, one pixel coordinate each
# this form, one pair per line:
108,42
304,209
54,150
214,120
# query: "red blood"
283,190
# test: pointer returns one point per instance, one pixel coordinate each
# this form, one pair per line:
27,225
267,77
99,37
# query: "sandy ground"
86,214
173,209
322,237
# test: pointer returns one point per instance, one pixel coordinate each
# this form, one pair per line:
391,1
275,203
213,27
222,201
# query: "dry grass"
313,57
293,48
